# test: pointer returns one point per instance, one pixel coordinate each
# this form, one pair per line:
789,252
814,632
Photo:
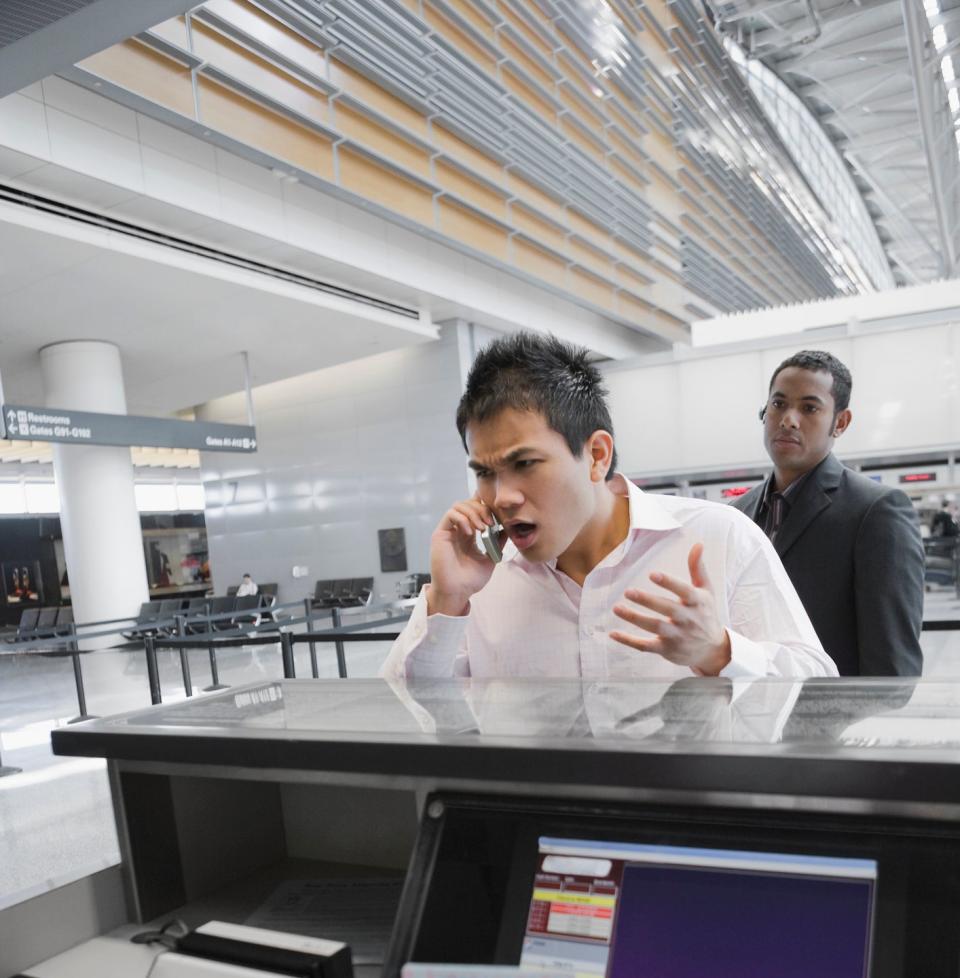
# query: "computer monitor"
508,881
602,909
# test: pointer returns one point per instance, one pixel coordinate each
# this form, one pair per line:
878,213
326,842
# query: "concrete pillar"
102,541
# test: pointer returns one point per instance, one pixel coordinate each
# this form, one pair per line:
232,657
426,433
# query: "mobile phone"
490,538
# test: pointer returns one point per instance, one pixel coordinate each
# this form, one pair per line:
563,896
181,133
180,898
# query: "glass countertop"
819,713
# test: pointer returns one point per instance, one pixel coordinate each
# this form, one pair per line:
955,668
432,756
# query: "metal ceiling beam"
826,73
933,115
890,207
62,43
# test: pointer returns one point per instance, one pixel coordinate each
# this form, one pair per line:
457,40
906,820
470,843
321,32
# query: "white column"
102,541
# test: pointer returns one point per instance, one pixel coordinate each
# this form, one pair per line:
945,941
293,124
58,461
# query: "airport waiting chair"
28,624
221,606
363,590
145,622
356,592
247,608
197,608
46,626
232,590
324,594
169,609
64,623
267,601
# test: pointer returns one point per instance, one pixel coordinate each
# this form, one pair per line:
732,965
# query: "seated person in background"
247,586
851,546
601,580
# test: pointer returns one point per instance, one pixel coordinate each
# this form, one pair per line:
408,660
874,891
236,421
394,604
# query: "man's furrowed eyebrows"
513,456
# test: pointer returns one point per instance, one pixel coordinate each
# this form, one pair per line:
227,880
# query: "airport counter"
771,827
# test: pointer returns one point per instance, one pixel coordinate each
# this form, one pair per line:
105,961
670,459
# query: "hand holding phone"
458,567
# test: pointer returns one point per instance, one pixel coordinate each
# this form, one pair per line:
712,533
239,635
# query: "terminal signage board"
23,423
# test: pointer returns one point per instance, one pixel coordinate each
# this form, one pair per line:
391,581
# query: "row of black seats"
44,623
157,617
347,593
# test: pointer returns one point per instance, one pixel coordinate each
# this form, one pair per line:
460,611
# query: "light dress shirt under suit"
531,620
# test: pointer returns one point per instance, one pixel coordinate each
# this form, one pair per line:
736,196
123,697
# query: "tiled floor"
56,823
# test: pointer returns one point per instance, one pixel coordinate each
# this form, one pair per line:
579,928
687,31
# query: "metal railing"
271,625
339,635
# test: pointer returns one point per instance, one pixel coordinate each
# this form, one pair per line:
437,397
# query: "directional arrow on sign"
11,428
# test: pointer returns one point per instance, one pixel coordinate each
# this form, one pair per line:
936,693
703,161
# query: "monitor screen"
620,910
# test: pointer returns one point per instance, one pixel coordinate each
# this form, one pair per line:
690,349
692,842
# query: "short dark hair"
821,361
532,372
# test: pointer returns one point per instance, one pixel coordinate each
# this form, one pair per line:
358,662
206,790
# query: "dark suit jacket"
853,551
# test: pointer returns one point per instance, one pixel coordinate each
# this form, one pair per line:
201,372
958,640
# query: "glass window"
12,499
846,220
42,497
190,498
156,498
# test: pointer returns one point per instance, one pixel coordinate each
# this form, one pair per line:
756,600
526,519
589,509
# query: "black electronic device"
268,950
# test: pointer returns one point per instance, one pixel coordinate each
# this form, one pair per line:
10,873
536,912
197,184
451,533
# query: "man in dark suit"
851,546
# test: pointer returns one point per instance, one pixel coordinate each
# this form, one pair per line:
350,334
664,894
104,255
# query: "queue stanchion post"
180,630
153,673
308,611
215,683
341,655
286,651
78,679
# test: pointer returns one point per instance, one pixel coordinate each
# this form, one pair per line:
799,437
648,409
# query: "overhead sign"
918,477
21,423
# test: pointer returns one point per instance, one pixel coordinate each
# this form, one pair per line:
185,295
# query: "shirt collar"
769,489
646,511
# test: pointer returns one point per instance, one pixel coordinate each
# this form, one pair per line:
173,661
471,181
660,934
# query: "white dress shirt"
532,620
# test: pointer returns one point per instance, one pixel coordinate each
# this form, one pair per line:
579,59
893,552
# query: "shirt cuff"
433,642
747,658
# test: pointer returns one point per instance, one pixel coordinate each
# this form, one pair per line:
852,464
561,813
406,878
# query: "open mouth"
522,534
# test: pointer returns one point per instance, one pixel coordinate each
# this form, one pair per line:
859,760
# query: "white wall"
698,411
341,453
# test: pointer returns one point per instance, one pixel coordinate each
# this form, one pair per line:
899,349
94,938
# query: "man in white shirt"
247,586
601,580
